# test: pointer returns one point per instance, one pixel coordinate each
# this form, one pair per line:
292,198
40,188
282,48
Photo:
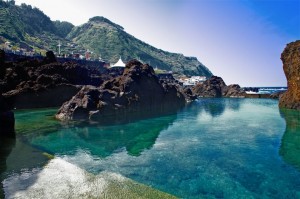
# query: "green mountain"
29,28
111,41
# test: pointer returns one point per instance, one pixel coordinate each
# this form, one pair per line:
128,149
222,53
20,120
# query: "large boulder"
136,91
216,87
291,66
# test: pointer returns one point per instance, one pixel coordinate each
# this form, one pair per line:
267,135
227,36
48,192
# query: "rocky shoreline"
85,93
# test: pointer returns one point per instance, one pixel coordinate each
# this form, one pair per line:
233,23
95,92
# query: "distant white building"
192,80
119,64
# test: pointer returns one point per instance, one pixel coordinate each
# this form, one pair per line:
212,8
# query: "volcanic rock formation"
46,83
137,91
7,120
216,87
291,66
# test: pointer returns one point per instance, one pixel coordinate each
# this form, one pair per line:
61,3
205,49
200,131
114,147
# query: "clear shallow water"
214,148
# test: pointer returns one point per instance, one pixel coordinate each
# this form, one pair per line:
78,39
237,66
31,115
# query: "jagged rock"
233,90
216,87
2,67
137,90
7,119
291,65
210,88
33,95
277,95
50,57
34,84
2,56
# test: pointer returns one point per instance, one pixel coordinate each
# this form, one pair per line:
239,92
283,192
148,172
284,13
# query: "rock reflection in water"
103,140
290,143
216,107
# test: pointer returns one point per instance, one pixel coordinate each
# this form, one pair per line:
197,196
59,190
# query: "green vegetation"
63,28
29,28
111,41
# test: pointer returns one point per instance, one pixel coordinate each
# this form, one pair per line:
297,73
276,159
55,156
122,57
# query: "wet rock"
33,95
7,119
291,65
137,90
277,95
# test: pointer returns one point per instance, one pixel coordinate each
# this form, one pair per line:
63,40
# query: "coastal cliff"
291,66
137,91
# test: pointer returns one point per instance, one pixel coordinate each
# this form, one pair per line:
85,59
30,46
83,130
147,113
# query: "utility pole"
59,45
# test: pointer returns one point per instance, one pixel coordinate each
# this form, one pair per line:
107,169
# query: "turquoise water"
214,148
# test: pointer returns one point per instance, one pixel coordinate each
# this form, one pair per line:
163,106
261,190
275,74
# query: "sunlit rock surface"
291,66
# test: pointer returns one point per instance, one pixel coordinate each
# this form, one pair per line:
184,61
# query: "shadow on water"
15,156
290,142
38,132
6,146
105,137
135,132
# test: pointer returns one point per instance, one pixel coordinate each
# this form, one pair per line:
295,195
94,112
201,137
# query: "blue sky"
239,40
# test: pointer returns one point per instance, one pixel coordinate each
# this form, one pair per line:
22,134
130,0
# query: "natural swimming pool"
213,148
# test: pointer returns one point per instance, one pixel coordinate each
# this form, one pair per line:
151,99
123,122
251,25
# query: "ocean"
264,90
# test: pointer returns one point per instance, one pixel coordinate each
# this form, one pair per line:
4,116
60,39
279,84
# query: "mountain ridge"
28,27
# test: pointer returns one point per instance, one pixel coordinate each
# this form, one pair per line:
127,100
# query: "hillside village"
69,52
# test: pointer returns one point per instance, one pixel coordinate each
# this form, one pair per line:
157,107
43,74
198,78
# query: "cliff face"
291,66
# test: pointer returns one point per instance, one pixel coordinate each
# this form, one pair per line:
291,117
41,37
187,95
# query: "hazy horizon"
241,41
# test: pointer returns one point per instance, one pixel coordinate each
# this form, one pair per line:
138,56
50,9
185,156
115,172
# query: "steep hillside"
63,28
29,28
110,41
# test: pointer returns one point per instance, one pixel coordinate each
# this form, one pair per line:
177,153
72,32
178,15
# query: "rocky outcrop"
7,119
291,66
216,87
46,83
137,91
39,96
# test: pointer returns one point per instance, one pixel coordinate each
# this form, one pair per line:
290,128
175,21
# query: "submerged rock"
137,91
216,87
74,182
291,66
